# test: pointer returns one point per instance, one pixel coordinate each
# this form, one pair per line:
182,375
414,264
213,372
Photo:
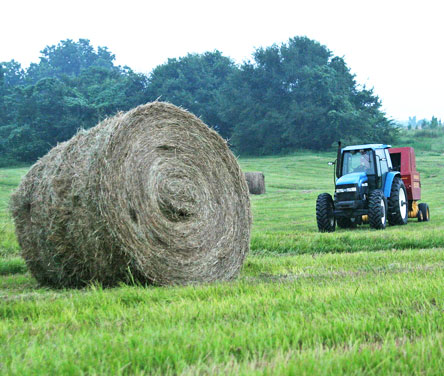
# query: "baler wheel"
419,215
425,212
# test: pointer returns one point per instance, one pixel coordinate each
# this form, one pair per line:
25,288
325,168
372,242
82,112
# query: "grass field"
352,302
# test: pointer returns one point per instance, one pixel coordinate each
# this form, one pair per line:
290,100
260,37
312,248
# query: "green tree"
434,123
72,87
195,82
69,58
108,91
425,124
298,95
43,116
13,73
3,92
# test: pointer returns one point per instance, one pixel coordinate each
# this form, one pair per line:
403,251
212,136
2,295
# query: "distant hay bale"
151,195
256,182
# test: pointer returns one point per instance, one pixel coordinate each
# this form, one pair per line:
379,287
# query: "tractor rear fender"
389,181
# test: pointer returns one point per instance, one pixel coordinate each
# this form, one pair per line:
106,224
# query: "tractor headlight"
342,190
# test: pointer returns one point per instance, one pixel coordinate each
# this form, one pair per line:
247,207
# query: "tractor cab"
360,170
364,164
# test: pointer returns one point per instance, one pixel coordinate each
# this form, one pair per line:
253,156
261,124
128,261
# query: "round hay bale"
151,195
256,182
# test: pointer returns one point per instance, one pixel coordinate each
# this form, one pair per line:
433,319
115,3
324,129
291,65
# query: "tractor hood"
353,178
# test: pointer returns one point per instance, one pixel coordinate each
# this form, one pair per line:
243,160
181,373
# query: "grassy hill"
355,301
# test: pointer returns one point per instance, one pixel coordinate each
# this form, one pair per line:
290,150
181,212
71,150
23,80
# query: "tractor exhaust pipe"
338,161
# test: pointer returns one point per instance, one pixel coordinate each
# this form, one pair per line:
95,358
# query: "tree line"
297,95
432,124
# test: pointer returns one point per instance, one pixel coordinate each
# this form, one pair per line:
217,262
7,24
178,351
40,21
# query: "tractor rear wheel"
377,210
325,213
424,212
398,211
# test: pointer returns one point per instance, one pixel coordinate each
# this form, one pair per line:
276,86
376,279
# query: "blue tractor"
367,189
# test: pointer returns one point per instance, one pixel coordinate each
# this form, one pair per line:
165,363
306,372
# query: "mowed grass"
352,302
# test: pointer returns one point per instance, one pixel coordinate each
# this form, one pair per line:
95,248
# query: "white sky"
394,46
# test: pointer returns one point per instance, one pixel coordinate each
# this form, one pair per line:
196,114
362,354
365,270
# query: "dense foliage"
197,83
294,96
299,96
72,87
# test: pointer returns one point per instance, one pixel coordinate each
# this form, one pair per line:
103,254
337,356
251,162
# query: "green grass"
9,179
352,302
328,314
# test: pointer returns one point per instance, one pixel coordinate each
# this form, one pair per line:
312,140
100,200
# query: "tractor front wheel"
325,213
398,212
377,210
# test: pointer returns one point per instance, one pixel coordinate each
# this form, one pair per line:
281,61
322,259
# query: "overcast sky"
394,46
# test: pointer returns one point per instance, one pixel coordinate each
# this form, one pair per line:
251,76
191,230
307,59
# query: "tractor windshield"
358,161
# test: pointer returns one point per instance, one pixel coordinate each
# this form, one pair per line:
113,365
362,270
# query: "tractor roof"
367,146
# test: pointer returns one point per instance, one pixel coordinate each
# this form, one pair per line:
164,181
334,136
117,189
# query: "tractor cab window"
382,161
358,161
389,160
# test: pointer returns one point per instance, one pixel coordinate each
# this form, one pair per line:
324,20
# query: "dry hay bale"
256,182
151,195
